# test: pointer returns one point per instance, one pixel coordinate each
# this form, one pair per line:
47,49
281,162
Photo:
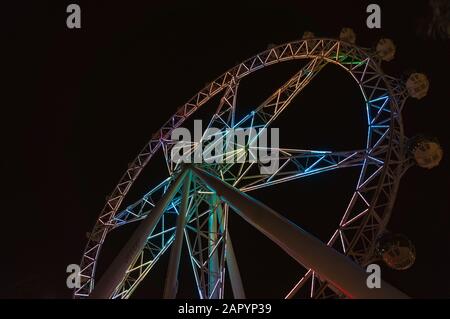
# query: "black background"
79,105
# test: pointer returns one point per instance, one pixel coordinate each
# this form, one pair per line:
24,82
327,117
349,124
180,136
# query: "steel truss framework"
381,164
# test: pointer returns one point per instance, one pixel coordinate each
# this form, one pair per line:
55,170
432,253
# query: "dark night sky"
80,104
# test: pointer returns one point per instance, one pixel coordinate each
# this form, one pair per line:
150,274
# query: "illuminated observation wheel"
187,206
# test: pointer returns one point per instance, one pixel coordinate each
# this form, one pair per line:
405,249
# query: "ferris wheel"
190,207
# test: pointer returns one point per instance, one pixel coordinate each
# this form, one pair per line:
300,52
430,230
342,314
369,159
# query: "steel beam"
230,258
117,270
309,251
171,285
233,270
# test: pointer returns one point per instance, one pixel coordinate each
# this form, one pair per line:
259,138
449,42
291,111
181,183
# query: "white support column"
171,285
116,271
230,258
309,251
233,271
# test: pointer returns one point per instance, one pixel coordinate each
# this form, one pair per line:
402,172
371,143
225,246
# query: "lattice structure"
381,163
